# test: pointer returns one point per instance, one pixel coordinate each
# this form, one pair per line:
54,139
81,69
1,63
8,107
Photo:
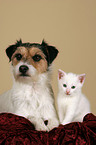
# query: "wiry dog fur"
31,95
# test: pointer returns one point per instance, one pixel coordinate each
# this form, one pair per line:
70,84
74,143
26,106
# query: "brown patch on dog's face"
38,59
33,56
19,55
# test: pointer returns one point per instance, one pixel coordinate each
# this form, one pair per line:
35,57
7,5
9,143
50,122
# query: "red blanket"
16,130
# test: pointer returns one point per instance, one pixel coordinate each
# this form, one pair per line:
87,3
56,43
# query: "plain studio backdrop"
70,25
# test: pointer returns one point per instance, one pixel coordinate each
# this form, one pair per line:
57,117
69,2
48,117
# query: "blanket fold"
17,130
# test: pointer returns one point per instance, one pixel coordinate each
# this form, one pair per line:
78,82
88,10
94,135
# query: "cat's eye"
64,85
73,87
37,58
18,56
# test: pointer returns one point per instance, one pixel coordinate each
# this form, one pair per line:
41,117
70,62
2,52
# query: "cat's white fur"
72,103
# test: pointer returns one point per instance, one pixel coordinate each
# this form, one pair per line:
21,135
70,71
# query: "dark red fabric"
16,130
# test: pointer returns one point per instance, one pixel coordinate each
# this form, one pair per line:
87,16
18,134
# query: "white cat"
72,104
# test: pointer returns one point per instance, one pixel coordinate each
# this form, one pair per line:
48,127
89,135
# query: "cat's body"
72,103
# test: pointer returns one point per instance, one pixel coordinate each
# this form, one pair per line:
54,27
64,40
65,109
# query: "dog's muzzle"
23,70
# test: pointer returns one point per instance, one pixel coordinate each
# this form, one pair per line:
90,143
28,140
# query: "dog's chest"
29,98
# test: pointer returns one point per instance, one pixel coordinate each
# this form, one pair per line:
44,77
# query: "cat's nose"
67,92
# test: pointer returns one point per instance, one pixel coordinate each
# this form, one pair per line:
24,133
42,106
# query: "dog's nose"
23,69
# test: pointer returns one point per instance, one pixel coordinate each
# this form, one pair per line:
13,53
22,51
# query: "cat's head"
70,83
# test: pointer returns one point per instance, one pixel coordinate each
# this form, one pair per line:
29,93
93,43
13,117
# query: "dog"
31,95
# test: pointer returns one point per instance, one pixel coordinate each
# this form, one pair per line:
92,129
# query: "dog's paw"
38,123
41,127
52,123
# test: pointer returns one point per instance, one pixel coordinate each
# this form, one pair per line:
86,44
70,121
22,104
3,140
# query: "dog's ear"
50,52
10,50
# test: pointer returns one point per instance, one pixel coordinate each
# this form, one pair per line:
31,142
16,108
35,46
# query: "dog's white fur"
31,97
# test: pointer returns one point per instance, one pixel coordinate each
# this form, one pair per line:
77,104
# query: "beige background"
70,25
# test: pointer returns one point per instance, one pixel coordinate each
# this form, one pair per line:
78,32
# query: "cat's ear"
82,78
61,74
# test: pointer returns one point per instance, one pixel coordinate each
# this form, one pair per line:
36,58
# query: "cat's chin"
68,94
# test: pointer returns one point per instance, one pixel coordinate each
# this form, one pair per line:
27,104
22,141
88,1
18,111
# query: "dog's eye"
18,56
37,57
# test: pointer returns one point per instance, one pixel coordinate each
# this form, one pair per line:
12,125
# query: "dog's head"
29,59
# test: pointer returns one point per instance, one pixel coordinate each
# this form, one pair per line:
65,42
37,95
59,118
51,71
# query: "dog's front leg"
38,123
52,123
50,116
